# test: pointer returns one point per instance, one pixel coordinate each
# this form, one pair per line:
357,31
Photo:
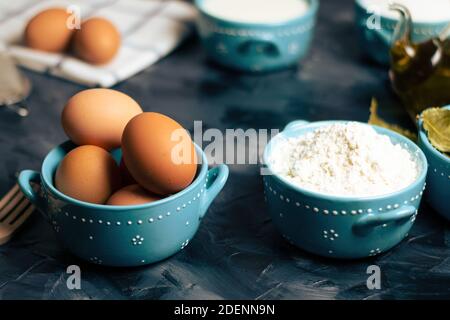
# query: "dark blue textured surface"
236,253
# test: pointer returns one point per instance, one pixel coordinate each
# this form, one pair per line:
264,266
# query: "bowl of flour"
255,35
343,189
376,23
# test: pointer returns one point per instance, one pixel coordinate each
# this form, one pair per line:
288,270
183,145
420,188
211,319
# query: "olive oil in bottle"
420,72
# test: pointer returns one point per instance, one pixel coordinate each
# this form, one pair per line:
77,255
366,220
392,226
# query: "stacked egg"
158,159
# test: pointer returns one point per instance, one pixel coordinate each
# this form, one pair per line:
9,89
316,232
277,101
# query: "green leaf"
436,121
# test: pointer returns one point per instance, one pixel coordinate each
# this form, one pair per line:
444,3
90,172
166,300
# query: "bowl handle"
25,177
217,177
262,46
372,220
295,124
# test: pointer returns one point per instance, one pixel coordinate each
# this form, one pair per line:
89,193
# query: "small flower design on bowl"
96,260
137,240
288,239
374,252
56,226
54,207
293,48
221,48
330,234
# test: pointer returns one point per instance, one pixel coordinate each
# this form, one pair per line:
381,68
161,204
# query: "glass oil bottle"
420,72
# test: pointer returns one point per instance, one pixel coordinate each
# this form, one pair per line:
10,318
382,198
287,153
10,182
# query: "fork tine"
7,230
17,223
16,211
10,205
9,195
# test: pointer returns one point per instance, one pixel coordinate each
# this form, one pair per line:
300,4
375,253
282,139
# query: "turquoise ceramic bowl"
256,47
438,178
341,227
123,235
377,43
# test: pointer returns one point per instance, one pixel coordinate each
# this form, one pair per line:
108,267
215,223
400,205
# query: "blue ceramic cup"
123,235
341,227
377,42
438,178
255,46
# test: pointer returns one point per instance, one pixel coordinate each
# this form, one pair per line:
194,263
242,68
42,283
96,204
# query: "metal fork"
14,210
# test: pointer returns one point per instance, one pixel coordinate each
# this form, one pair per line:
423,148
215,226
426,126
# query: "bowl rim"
104,207
343,198
310,12
424,137
422,24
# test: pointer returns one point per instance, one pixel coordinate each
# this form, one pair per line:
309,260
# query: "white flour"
256,11
421,10
349,159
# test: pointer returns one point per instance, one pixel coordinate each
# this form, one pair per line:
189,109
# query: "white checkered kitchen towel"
150,30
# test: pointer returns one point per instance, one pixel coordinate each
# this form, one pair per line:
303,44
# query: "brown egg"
97,41
88,173
98,117
159,153
48,31
131,195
